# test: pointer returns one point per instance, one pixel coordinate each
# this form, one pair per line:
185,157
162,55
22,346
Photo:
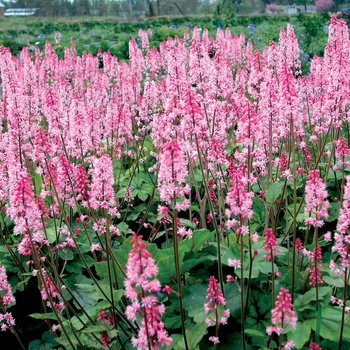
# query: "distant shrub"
271,8
324,5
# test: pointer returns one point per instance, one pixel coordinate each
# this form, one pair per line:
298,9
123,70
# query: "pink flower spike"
141,272
315,197
270,245
217,314
283,314
298,245
6,294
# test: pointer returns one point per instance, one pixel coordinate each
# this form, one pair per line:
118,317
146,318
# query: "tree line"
66,8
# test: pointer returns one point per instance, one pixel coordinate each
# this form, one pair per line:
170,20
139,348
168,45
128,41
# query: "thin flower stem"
242,294
343,309
273,280
13,331
316,260
251,259
217,231
178,273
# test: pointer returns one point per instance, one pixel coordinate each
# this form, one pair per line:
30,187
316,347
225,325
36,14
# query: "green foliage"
92,35
47,342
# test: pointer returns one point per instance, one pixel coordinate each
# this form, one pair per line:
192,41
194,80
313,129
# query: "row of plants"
114,36
194,197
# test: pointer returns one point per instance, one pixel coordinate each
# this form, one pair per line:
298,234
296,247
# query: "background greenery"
90,35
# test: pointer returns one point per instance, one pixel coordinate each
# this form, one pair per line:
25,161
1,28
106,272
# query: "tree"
324,5
81,8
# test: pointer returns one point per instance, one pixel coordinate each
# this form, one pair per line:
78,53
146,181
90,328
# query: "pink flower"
141,272
214,296
315,197
239,199
234,263
315,346
172,171
82,184
167,289
283,314
6,300
270,245
215,340
315,267
230,279
343,151
105,339
255,237
298,245
327,236
289,345
95,247
217,314
101,315
6,295
102,192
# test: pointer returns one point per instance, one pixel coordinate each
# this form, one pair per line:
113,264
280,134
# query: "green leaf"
194,207
48,342
66,254
38,183
255,333
330,324
40,345
167,269
47,316
333,211
300,335
124,228
172,322
199,237
304,301
95,329
51,232
273,192
191,260
334,280
136,212
259,216
140,188
102,271
84,291
195,333
233,298
187,223
197,296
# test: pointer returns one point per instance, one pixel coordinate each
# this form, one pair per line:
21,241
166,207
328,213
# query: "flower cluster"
315,266
342,237
315,197
172,172
6,300
283,314
215,307
270,245
141,272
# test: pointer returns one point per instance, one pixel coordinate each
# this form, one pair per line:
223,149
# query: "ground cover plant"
194,197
